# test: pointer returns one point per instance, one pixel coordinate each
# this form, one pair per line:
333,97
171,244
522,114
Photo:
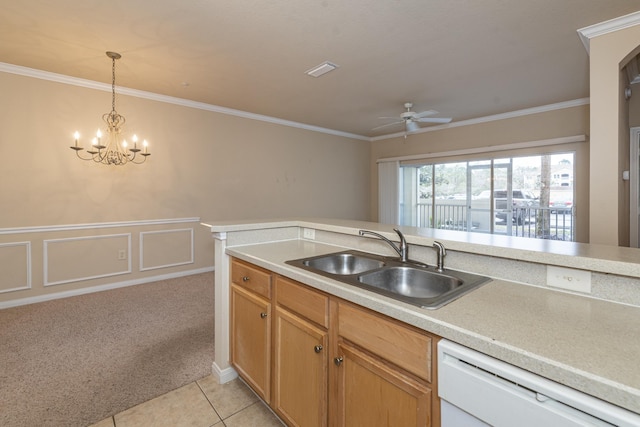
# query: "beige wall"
610,135
203,165
549,125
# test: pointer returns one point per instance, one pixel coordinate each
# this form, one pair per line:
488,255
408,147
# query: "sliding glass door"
522,196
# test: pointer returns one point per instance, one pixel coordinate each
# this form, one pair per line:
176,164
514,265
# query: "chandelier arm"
100,156
80,157
144,158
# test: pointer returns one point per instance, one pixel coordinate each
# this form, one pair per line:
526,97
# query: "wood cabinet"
250,323
324,361
301,355
400,399
383,361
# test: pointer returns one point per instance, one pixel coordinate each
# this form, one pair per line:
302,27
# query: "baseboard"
100,288
223,375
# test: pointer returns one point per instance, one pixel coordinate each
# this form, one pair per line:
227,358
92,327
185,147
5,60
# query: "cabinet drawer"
305,301
398,344
251,277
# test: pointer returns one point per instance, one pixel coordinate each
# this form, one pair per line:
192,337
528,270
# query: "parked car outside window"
560,205
519,199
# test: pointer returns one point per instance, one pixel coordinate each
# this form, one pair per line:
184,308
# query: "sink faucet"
439,247
402,250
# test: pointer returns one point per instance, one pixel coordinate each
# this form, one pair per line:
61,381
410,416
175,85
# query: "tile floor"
204,403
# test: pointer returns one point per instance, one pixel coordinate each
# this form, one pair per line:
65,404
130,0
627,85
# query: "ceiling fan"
411,119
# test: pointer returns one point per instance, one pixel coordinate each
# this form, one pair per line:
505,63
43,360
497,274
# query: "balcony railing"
544,223
533,222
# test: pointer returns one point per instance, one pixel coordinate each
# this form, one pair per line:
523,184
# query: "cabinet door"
300,391
374,393
250,339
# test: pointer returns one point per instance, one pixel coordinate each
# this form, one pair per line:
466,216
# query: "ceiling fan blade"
434,120
424,114
412,126
388,124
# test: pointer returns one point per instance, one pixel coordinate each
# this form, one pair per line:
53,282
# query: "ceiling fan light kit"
412,126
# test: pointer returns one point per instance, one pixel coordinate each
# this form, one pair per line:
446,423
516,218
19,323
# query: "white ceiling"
463,58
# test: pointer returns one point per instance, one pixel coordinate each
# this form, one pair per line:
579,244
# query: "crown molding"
90,84
493,118
610,26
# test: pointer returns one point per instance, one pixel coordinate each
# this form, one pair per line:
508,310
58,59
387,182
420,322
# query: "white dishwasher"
478,390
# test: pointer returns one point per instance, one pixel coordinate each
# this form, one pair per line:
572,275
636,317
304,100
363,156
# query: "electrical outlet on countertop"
569,279
309,233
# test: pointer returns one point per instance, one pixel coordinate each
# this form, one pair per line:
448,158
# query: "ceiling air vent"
321,69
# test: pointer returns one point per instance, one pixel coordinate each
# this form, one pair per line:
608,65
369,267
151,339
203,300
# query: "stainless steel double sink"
411,282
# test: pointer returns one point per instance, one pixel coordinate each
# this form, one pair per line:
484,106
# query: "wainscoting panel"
44,262
75,259
166,248
15,259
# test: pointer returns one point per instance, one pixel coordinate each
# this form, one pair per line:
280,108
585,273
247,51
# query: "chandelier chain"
113,84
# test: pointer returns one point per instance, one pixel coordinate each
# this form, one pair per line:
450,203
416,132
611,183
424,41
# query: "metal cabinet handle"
317,348
245,278
263,315
338,360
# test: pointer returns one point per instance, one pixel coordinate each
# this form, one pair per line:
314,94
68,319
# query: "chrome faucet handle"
442,252
404,249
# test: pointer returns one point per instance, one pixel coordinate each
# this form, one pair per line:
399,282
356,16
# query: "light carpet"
78,360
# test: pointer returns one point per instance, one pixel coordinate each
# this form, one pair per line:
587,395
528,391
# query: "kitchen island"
589,341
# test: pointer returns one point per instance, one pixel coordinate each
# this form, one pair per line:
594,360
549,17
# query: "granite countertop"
588,344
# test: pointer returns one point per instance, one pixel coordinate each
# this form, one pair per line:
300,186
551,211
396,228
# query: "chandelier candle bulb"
76,136
98,143
135,148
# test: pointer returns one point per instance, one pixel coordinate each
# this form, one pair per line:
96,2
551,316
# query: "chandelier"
112,150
